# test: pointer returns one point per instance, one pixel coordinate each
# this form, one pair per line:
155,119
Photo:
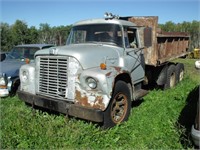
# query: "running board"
140,93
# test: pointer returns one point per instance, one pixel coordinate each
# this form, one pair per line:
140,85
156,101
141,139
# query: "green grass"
154,123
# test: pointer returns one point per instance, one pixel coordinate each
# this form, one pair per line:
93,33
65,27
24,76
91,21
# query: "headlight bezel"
3,80
24,75
91,82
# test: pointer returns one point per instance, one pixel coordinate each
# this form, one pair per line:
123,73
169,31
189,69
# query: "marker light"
27,61
103,66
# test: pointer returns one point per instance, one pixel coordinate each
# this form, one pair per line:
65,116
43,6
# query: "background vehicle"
104,66
2,56
195,54
197,64
12,61
195,132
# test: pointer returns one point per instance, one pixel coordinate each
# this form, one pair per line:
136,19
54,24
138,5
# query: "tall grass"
153,124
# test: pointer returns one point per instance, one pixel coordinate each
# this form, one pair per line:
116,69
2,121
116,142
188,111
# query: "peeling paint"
118,69
90,99
108,74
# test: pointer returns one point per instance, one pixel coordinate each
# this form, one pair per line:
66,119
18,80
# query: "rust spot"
108,74
79,76
99,103
118,69
81,100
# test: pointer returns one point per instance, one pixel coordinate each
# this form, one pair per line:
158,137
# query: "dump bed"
166,46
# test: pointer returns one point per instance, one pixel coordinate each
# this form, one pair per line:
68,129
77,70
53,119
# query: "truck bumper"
195,136
4,92
70,109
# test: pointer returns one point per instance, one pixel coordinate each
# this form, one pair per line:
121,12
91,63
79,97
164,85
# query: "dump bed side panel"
171,45
166,46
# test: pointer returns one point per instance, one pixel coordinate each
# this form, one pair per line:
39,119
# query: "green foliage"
190,27
33,35
6,37
20,33
153,124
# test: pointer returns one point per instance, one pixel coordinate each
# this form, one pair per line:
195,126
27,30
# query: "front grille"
53,76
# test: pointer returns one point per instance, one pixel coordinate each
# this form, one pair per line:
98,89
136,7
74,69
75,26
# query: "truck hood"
11,67
88,55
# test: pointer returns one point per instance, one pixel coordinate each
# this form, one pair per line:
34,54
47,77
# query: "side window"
32,52
126,39
79,36
130,38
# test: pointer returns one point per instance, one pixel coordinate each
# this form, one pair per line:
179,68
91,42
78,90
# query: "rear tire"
119,107
179,72
171,77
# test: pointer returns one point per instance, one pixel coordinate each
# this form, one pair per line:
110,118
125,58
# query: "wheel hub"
119,108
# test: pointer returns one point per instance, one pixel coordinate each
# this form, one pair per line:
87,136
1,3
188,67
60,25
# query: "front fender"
99,97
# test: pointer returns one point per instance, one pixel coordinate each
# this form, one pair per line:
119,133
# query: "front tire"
119,107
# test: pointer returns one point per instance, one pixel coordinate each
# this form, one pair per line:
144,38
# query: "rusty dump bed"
166,46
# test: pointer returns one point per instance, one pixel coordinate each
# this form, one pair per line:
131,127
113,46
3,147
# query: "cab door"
134,55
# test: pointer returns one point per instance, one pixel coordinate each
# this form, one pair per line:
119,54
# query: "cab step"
140,93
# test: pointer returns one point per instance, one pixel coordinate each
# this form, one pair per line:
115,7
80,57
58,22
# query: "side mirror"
2,56
147,37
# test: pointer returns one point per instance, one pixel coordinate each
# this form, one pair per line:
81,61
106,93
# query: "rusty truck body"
103,67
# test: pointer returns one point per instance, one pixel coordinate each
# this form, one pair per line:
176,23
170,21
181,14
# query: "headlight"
24,75
91,82
3,79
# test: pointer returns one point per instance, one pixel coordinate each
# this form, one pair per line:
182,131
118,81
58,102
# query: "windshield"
22,52
101,33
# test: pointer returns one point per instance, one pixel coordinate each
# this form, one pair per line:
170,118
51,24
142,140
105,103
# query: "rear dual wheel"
174,75
171,77
179,72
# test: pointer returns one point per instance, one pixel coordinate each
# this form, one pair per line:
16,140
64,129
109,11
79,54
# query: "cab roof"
105,21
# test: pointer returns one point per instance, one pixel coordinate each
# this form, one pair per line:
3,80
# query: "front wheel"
119,107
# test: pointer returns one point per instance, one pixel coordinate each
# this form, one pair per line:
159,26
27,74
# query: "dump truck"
105,65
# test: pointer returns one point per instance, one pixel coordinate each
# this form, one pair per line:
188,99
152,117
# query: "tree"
62,33
33,35
44,33
169,26
6,37
19,32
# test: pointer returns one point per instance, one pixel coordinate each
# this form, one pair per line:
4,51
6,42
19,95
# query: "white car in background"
197,64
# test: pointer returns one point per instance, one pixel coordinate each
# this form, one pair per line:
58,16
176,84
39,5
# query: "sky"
67,12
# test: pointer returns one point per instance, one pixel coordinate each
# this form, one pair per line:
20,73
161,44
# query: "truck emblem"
53,51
